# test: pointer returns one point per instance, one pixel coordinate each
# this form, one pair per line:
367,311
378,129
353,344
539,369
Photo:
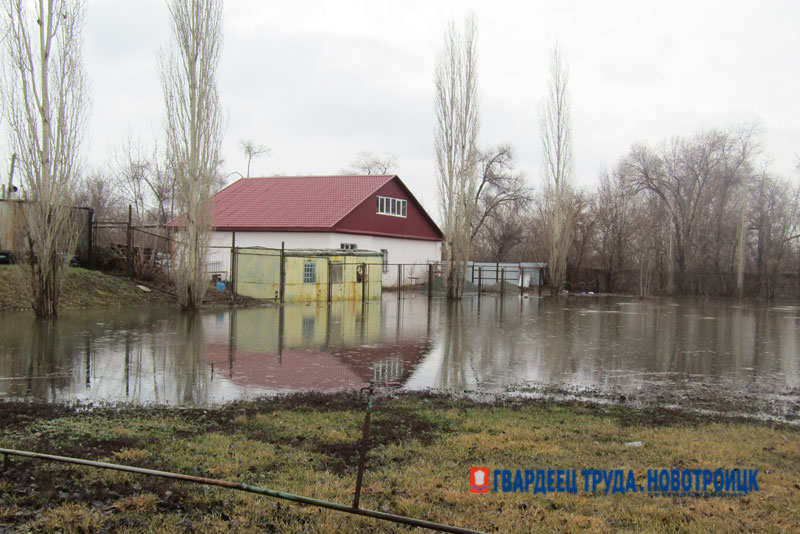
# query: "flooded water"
610,348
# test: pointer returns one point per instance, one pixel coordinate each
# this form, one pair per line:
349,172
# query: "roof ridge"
306,176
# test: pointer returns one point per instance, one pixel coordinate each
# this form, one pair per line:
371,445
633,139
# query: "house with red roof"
371,212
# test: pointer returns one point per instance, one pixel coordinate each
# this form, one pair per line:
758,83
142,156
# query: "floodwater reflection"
491,344
614,344
168,357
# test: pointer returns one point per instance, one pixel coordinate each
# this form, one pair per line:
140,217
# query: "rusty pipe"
245,487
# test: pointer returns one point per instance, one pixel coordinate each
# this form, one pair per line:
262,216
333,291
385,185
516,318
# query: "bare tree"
45,102
97,192
457,124
144,180
194,133
499,187
366,162
775,222
163,187
556,131
502,233
696,180
613,210
583,228
130,169
252,151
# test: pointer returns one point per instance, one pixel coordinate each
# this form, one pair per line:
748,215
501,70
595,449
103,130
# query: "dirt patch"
17,414
385,429
41,486
93,449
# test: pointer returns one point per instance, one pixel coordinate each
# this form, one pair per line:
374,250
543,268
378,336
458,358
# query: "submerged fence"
523,275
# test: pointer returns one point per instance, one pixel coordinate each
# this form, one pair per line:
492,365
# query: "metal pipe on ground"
439,527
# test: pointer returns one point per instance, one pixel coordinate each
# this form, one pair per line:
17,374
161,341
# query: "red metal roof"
291,202
297,203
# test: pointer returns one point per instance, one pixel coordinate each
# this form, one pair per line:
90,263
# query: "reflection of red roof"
316,204
314,368
294,369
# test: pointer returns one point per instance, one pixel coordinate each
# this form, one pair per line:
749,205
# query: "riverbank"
82,289
421,450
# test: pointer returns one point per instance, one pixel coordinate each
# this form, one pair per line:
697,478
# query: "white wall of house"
415,253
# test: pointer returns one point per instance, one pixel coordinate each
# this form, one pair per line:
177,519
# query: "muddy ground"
404,429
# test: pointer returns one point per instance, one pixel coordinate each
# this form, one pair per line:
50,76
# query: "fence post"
480,280
130,243
234,254
233,266
90,247
496,272
329,285
430,281
283,272
502,282
541,281
281,321
399,278
95,231
363,282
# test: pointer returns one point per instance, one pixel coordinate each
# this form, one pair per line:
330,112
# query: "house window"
392,206
385,253
348,246
309,272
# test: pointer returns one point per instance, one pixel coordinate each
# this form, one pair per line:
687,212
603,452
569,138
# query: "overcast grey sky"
318,81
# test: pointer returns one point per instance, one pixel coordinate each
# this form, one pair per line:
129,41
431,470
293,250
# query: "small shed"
304,275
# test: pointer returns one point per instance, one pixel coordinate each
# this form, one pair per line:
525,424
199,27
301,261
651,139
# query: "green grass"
82,289
420,453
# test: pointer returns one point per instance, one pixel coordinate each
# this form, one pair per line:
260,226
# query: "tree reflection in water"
607,344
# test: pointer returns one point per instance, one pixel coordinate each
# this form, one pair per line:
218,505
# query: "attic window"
348,246
392,206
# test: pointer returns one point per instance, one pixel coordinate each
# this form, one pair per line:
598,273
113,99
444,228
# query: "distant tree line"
691,215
